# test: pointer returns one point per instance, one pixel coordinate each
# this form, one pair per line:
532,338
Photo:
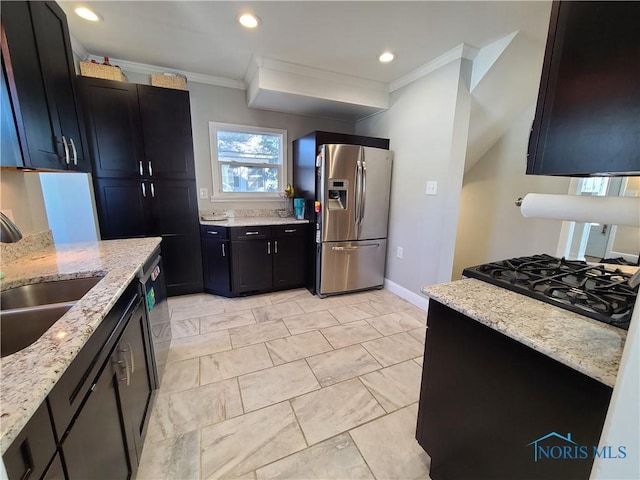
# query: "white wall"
490,226
427,125
210,103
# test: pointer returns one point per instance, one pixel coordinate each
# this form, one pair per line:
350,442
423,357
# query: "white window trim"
217,193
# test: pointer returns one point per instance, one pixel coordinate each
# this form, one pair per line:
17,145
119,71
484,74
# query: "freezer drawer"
347,266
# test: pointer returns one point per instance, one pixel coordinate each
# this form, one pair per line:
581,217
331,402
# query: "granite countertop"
28,376
586,345
252,221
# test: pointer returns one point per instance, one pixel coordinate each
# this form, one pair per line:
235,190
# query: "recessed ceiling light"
386,57
87,14
249,20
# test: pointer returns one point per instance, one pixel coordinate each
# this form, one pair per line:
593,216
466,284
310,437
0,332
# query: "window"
247,162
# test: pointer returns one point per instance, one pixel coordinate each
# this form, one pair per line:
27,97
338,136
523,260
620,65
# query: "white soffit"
286,87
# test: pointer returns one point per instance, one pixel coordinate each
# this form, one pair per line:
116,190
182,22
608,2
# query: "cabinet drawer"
250,233
33,448
214,231
288,230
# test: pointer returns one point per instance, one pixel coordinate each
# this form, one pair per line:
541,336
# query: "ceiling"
340,37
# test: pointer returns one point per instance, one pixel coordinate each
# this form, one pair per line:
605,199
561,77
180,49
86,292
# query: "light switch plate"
432,188
204,194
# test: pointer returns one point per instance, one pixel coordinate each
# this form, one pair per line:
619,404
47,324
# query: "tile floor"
289,386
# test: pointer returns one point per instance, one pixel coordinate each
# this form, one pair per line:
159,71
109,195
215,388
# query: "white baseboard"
411,297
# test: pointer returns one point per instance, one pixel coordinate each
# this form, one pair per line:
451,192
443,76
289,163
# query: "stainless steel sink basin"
47,293
27,312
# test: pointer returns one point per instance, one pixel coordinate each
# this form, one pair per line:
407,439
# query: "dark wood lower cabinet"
289,257
96,445
215,259
251,266
486,397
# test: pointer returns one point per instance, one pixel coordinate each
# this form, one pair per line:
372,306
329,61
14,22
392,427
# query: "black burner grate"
590,290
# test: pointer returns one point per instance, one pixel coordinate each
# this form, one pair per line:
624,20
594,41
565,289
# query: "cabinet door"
135,365
113,127
182,263
215,259
123,207
95,446
166,129
25,80
289,262
251,263
56,59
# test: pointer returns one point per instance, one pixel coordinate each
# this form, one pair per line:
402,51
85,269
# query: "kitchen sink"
27,312
47,293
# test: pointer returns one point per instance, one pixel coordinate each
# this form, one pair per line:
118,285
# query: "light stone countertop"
253,221
586,345
28,376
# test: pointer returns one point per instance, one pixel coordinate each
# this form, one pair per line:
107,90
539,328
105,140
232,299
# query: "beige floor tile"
276,384
194,299
179,376
261,332
197,346
394,349
224,321
161,332
359,297
396,322
336,409
238,446
185,328
316,304
382,307
350,334
418,313
233,363
389,446
395,387
276,312
309,322
348,314
338,365
418,334
292,348
181,412
196,309
175,457
419,360
336,458
289,296
246,303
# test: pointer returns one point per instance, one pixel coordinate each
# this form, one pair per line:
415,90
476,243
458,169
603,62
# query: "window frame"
216,165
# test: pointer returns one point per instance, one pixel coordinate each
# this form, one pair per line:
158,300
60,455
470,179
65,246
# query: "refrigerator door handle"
363,193
356,209
368,245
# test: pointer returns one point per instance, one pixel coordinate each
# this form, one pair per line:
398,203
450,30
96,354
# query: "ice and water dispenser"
337,194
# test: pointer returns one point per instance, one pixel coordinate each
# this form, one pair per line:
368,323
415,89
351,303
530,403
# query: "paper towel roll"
583,208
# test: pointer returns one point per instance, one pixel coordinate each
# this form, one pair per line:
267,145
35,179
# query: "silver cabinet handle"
252,233
66,150
268,248
144,190
224,254
133,363
140,169
212,233
275,245
153,191
291,230
150,170
75,152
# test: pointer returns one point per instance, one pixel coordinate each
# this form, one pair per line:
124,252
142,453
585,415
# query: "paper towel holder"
518,202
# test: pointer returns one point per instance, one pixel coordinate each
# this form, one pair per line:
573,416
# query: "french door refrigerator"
352,187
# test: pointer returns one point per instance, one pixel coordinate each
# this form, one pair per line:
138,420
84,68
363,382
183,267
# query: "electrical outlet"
432,188
399,252
204,194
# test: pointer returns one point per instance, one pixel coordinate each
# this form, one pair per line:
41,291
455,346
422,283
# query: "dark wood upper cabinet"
587,119
40,76
113,126
166,131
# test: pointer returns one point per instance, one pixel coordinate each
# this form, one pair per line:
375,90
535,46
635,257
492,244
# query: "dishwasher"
155,293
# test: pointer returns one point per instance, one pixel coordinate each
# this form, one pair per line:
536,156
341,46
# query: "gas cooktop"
601,293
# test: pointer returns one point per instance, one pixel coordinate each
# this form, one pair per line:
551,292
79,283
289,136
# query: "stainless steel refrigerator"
352,187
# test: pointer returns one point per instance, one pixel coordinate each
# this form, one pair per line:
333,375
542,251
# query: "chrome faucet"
9,232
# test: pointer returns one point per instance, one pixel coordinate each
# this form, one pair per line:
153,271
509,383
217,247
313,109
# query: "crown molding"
461,51
144,68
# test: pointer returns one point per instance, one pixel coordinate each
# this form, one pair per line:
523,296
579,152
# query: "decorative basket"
108,72
177,82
